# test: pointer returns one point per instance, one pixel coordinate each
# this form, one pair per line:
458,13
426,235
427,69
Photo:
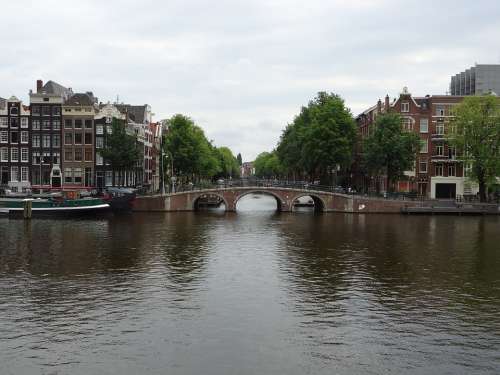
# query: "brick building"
46,134
14,145
437,172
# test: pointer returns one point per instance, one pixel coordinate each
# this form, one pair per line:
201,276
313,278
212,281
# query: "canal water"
252,292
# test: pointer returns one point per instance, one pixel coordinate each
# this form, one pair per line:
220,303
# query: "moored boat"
52,207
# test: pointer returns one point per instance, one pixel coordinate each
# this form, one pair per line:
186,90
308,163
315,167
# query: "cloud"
243,69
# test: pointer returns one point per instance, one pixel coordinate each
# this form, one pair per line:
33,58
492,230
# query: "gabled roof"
136,113
55,88
81,99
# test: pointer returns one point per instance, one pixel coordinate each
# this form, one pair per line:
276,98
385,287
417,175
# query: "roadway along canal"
254,292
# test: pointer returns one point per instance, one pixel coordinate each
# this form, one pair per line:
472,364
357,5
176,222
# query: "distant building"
14,145
247,169
477,80
437,172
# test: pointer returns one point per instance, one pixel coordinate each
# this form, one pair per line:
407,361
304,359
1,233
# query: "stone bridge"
285,197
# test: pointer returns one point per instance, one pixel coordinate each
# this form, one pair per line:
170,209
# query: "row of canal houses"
53,143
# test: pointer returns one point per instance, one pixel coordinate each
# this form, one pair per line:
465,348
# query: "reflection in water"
250,292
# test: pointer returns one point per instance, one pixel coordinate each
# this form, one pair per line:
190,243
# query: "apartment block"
477,80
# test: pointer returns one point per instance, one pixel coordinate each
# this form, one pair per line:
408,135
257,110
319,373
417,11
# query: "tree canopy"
390,149
319,139
475,132
194,157
267,165
120,150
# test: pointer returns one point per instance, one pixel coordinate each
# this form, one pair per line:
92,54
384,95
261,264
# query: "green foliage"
193,156
229,166
320,138
121,150
390,149
267,165
240,160
475,132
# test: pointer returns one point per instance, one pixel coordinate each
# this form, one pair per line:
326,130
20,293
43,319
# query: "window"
98,129
440,128
438,169
78,124
14,111
14,122
56,124
35,124
46,158
109,129
24,174
45,110
78,154
88,124
24,137
424,146
452,152
68,138
423,167
78,138
424,125
35,110
68,175
109,178
46,141
56,111
405,107
452,171
440,110
14,137
56,140
14,174
99,142
68,155
46,125
4,154
4,122
88,154
35,140
67,109
14,154
88,138
439,150
77,175
24,122
98,159
56,158
4,136
68,124
24,155
36,157
407,124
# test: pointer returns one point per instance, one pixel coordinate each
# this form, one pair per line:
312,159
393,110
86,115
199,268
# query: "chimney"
386,104
39,85
379,106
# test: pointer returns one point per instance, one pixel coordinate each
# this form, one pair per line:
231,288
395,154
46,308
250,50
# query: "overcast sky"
243,69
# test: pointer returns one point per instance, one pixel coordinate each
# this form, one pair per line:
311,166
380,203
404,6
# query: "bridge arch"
280,204
194,204
319,203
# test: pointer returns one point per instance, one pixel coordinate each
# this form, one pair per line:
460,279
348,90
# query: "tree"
240,160
121,150
229,166
390,149
320,138
475,132
193,157
267,165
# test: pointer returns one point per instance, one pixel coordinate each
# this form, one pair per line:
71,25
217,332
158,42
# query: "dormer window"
405,107
14,111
